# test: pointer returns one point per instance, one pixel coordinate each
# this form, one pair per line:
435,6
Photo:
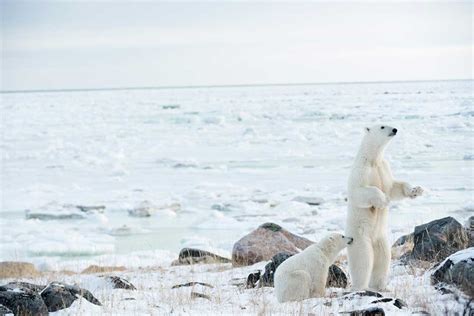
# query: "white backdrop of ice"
249,150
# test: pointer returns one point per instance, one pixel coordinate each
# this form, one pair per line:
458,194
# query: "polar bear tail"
294,286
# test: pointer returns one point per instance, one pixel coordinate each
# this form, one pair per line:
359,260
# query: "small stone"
382,300
350,295
120,283
253,279
400,303
191,284
200,295
193,256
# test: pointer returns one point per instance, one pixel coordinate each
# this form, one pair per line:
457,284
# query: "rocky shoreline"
441,250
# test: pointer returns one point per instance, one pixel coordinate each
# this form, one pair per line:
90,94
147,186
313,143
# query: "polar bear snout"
394,132
349,239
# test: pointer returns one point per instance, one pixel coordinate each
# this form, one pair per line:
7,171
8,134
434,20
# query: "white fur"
304,275
371,187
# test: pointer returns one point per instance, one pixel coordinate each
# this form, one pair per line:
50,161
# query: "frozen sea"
213,163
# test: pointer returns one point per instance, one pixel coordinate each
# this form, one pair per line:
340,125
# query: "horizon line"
244,85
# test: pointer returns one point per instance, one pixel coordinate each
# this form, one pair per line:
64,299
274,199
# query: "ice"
214,164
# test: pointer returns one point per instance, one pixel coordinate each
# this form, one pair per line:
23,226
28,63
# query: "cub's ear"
367,129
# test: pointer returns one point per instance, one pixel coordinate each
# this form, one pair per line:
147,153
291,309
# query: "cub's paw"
414,192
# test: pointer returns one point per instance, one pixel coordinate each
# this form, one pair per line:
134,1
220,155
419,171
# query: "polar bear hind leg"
297,287
361,260
382,256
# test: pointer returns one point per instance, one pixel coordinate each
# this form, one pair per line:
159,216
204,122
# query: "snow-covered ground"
213,164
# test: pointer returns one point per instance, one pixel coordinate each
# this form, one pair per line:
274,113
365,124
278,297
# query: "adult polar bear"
371,187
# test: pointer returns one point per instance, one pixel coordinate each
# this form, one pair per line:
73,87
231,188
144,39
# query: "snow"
231,158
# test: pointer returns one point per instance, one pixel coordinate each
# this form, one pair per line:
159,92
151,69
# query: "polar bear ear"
367,129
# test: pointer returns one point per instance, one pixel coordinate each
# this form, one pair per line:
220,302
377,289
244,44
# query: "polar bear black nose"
394,131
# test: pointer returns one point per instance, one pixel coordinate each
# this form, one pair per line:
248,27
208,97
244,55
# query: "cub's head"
333,243
379,135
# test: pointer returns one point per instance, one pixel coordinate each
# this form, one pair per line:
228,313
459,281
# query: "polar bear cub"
304,275
371,186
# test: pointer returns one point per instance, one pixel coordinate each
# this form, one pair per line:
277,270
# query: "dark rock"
457,270
191,284
120,283
336,277
371,311
382,300
253,279
400,303
350,295
264,242
438,239
192,256
22,301
200,295
268,276
4,310
58,296
25,285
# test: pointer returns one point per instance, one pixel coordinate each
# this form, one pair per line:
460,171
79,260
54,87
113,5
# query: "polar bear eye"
382,127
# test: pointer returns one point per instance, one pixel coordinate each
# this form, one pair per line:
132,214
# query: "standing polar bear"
304,275
371,187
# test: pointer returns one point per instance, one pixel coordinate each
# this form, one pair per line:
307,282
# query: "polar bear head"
378,136
333,243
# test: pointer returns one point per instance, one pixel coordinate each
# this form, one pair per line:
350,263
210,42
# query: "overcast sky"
50,45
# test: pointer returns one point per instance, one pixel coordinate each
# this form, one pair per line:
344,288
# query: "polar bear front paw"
380,202
414,192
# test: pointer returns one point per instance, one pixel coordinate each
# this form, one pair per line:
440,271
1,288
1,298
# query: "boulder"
265,242
470,230
457,270
59,296
437,239
192,256
17,269
268,276
336,277
25,285
22,301
120,283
